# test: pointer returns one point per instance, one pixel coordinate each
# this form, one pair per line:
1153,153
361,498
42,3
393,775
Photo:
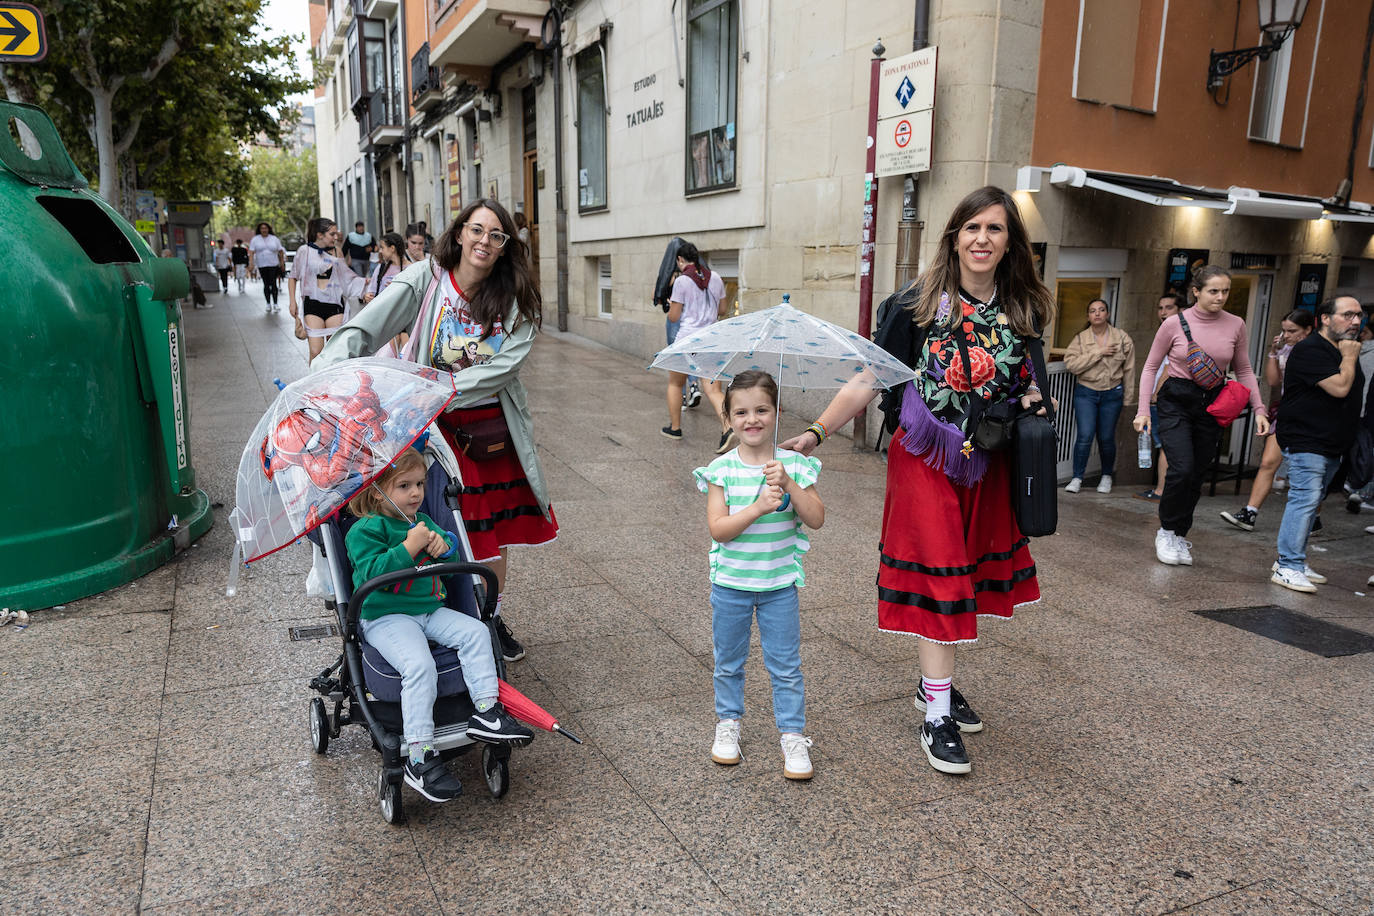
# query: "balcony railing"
380,120
426,85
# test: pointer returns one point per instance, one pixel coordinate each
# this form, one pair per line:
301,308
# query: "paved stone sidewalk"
1138,758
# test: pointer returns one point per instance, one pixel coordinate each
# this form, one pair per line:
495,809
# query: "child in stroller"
399,620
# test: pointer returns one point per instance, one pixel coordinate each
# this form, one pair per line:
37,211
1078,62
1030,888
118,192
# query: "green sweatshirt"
375,545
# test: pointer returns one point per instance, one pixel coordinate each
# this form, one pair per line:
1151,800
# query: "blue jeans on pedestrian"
672,327
1309,474
732,617
403,640
1096,413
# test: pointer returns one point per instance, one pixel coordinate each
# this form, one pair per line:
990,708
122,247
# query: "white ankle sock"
937,697
1252,509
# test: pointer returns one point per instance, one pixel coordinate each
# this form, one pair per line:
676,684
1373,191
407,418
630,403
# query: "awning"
1166,192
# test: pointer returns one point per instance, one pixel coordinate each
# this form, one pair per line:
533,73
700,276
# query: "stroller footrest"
446,737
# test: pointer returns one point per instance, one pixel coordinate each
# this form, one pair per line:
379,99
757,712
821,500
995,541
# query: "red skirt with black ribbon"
949,553
498,506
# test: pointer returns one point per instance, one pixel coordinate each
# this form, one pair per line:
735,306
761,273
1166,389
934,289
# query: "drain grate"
1310,634
315,632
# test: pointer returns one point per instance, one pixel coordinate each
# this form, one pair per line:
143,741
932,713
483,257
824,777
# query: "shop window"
726,263
1271,92
712,83
591,129
1119,52
603,286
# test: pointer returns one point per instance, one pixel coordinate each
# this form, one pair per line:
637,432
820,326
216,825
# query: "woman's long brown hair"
510,277
1023,296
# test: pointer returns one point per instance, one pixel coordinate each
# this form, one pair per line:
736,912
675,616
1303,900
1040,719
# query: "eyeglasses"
474,233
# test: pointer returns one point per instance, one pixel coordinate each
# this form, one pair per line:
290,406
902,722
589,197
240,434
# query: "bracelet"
818,430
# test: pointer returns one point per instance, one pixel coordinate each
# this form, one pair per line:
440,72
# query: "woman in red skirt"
473,309
951,551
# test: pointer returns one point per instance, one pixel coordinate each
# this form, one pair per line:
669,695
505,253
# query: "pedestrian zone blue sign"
905,91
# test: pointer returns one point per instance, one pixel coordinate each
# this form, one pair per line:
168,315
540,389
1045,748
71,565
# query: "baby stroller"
361,688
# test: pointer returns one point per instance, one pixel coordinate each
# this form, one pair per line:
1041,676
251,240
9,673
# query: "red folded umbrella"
530,712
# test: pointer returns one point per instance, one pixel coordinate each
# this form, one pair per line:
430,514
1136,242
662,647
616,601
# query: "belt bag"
1203,369
484,440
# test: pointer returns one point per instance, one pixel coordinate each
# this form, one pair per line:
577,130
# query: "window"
1072,298
355,89
603,286
712,75
591,129
1271,92
726,263
1118,56
397,80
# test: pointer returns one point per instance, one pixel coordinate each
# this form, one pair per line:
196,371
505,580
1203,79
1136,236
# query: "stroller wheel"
496,770
319,726
389,794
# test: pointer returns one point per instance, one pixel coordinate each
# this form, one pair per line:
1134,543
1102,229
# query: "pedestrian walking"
1168,305
1102,358
390,252
951,550
757,543
694,303
1323,388
240,257
222,264
1294,327
358,246
324,277
267,257
415,245
1202,343
663,290
474,312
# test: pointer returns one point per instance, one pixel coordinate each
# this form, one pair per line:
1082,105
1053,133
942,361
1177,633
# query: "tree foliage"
282,188
159,94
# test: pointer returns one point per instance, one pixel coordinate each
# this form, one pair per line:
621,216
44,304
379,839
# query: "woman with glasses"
473,309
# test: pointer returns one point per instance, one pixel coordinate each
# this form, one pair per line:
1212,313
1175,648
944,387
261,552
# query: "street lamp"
1277,20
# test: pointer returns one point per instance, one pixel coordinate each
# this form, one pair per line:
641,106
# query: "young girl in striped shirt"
758,497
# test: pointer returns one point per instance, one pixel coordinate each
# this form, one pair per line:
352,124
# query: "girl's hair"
1200,278
1301,318
318,225
1176,296
370,502
519,218
509,279
1025,300
270,231
397,244
752,378
688,252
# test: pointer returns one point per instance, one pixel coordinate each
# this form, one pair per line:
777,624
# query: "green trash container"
94,430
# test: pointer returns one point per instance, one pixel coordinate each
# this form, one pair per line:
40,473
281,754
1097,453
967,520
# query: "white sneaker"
1292,579
1074,485
1165,551
1369,529
725,749
796,762
1183,548
1312,575
1105,485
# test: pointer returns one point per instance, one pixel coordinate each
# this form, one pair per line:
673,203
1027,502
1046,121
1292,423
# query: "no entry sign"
901,135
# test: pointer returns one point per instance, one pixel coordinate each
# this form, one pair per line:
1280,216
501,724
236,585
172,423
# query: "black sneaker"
1244,519
1316,524
496,726
672,433
959,710
728,439
432,779
511,648
693,396
944,748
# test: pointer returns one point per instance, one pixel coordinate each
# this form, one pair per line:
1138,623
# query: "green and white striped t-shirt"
767,555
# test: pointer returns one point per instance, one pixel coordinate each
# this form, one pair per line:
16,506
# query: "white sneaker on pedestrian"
1165,551
1074,485
1312,575
1292,579
1183,548
796,762
725,749
1105,484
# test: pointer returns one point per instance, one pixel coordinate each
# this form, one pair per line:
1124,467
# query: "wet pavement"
1138,757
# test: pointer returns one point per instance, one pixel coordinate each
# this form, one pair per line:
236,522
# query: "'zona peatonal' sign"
906,109
22,37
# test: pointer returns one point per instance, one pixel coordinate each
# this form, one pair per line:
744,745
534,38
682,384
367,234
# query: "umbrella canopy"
530,712
324,438
797,349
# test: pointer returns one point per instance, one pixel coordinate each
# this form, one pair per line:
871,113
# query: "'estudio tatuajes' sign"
648,111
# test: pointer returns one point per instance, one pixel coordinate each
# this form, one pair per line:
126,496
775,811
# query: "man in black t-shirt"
239,255
1322,391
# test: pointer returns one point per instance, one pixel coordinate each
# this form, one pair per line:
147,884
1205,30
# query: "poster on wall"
1311,286
1182,263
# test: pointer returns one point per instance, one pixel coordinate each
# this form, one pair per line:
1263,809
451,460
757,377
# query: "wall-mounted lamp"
1277,20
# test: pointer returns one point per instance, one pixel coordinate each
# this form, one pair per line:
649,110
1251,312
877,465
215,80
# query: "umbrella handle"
453,548
786,501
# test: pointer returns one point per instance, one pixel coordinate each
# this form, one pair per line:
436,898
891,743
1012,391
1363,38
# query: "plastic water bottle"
1143,448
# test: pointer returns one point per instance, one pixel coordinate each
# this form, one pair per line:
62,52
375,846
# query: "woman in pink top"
1188,433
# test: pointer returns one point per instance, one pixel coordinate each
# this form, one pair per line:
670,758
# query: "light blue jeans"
732,617
403,641
1309,474
671,328
1096,413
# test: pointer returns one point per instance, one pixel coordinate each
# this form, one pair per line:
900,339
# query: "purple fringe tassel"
940,443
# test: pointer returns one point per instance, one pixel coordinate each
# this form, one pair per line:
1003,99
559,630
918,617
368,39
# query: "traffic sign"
903,145
902,133
22,37
906,84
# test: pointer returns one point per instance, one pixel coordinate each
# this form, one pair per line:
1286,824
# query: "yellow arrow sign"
22,37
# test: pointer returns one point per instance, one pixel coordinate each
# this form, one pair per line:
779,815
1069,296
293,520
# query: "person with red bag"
1202,344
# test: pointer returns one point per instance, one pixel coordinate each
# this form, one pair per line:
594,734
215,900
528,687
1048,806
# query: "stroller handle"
355,603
